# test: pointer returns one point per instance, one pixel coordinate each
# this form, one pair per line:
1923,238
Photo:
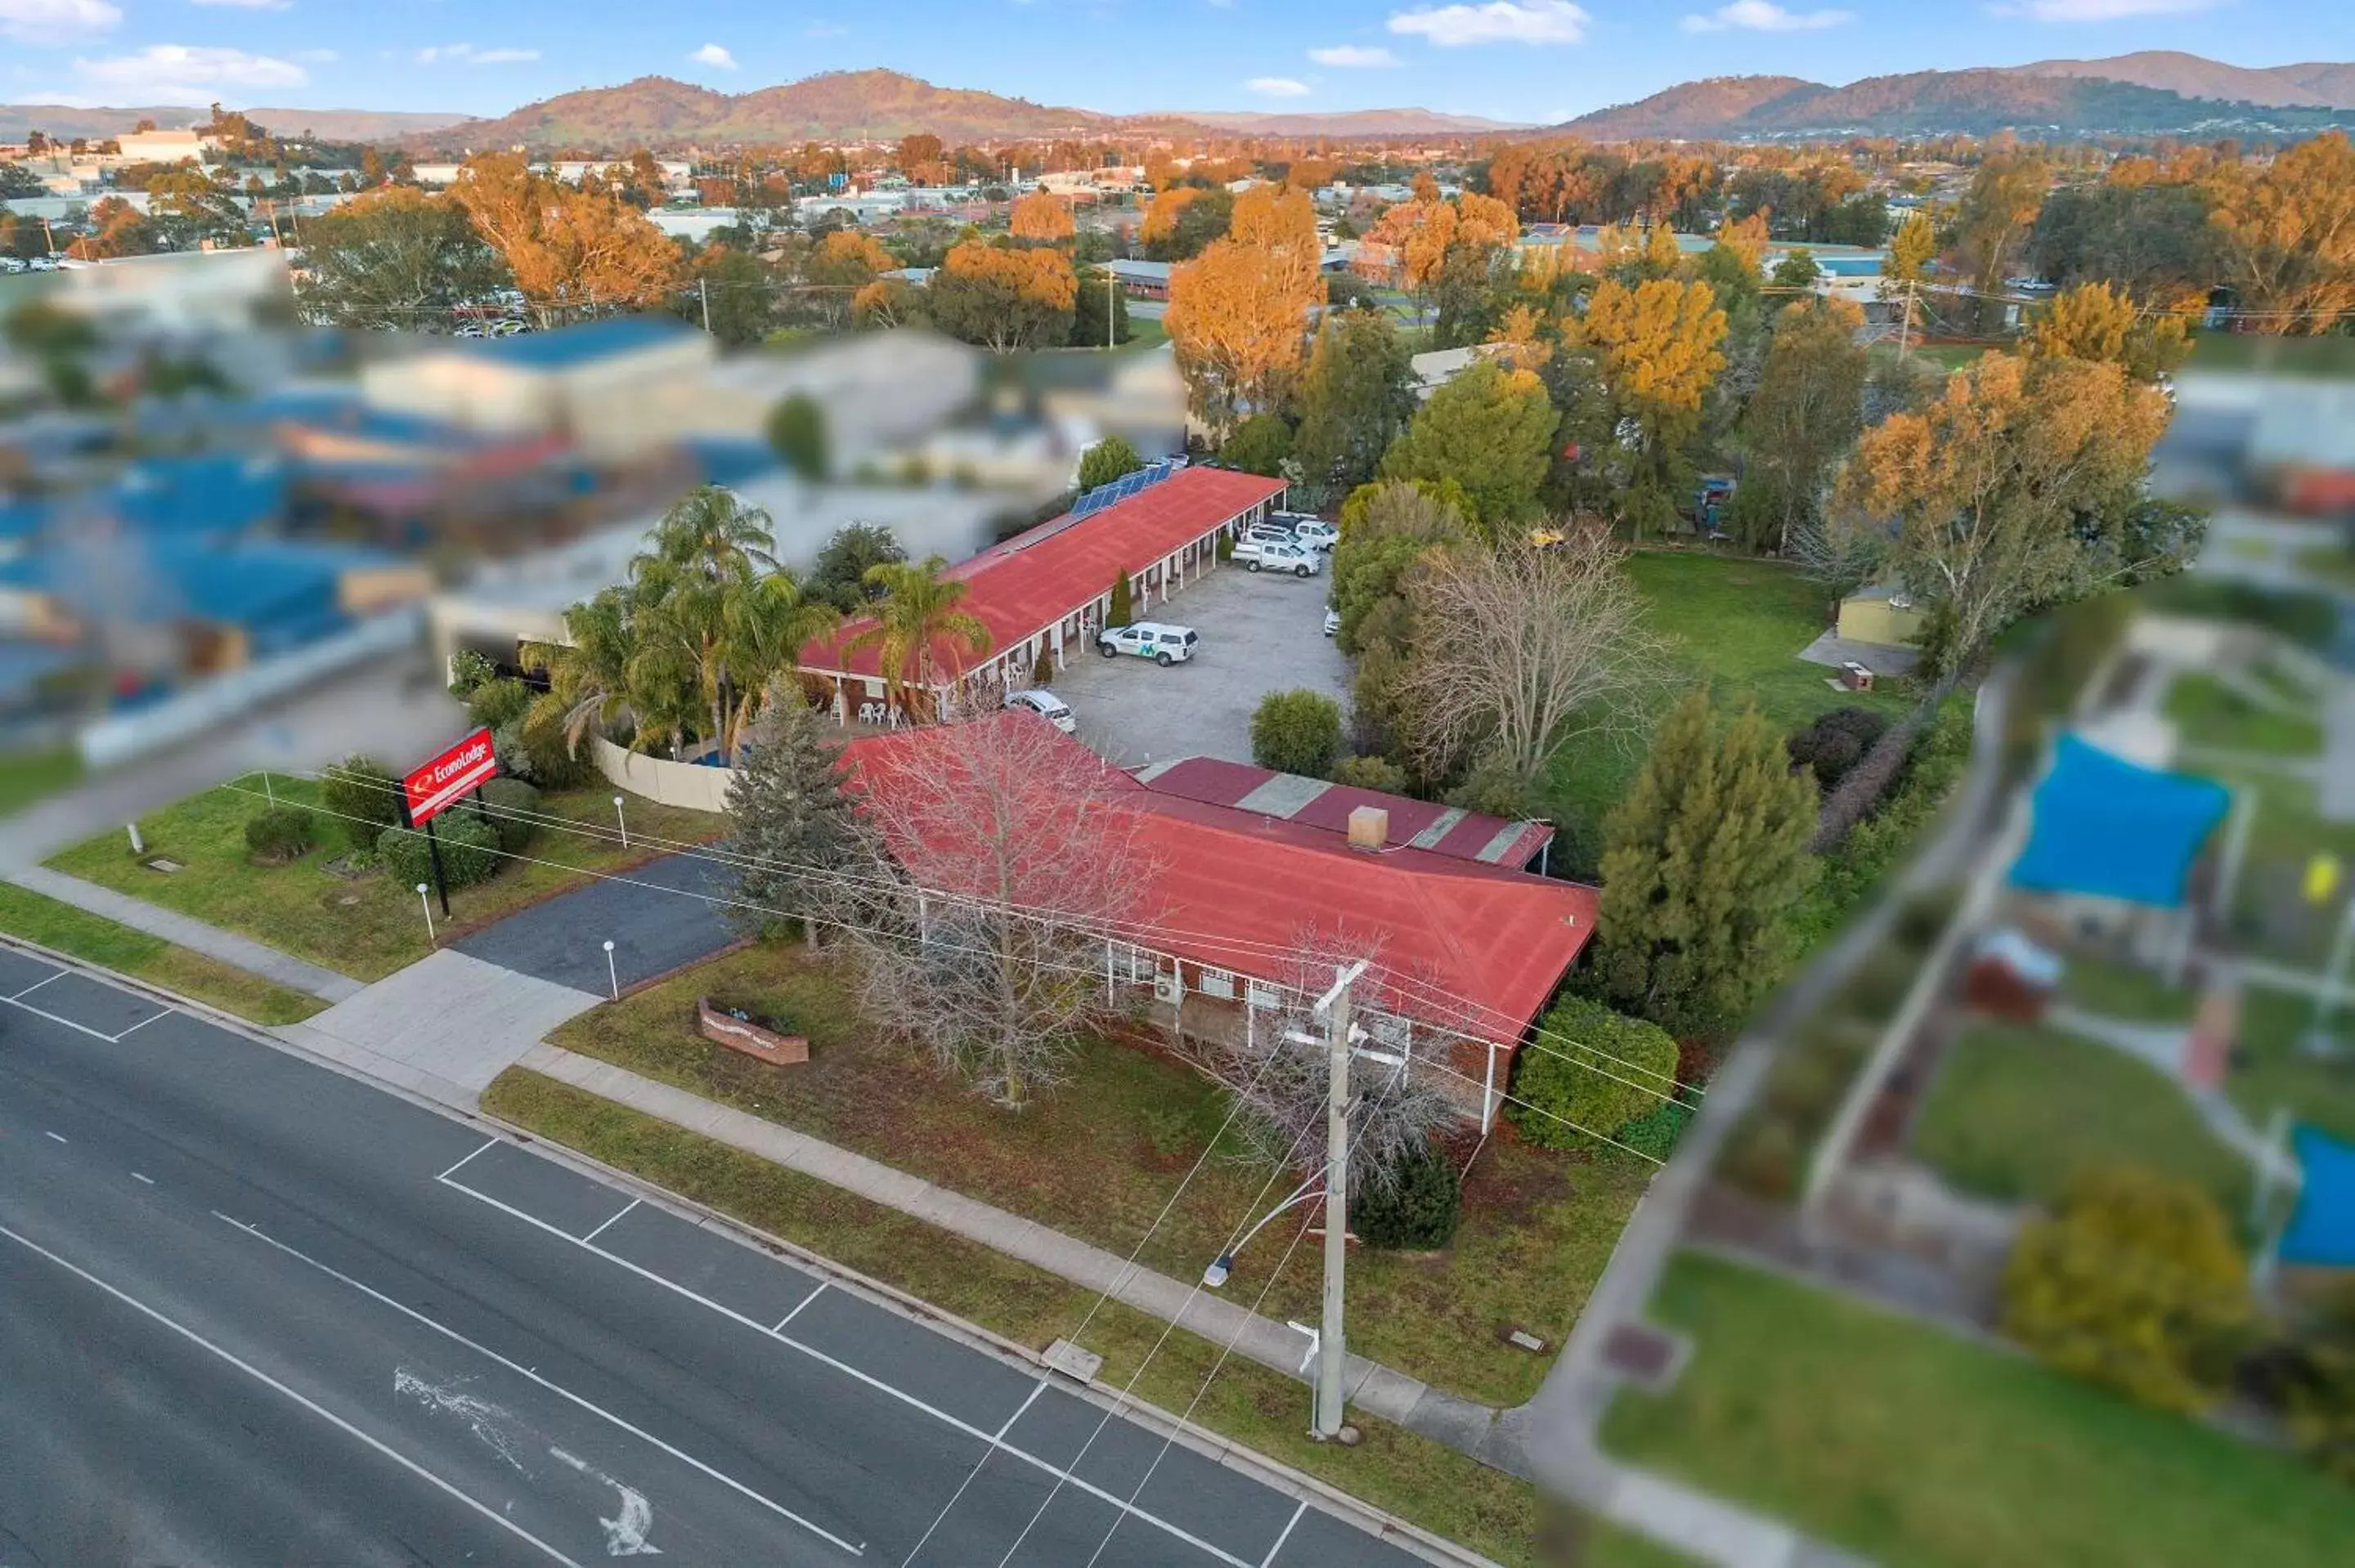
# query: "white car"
1306,528
1047,705
1149,640
1332,623
1265,555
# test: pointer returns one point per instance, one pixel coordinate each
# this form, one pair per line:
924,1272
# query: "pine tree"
793,822
1703,861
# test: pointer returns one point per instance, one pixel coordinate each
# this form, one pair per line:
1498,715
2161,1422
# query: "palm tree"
589,672
764,625
695,591
918,614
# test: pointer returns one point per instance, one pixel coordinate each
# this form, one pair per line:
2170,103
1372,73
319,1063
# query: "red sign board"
434,787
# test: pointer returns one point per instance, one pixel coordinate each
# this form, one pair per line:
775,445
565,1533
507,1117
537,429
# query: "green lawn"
1921,1450
2125,990
2333,563
1436,1487
28,776
1143,332
2015,1111
39,919
2210,713
2271,917
364,926
1099,1156
2271,1069
1737,624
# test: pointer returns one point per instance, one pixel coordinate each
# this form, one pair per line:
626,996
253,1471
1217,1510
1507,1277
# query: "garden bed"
1099,1156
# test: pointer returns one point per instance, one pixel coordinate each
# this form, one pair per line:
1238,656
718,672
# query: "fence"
688,785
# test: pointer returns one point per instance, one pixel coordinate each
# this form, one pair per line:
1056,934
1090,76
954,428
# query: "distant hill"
1973,103
2170,70
334,124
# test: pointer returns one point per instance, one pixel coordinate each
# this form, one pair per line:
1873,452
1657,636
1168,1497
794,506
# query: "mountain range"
2156,92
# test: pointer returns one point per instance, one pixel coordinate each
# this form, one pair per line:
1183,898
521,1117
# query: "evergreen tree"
1106,460
1123,609
1357,395
1702,862
793,823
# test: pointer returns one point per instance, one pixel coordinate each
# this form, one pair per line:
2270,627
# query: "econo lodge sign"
434,787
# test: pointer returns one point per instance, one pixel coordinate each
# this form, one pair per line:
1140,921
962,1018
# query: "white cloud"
2099,10
56,21
1497,22
186,73
467,54
714,56
1277,86
1764,16
1357,55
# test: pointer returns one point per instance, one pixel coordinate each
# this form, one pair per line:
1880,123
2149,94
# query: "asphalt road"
653,932
253,1312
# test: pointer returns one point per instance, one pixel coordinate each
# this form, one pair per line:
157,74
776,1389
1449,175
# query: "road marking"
149,1180
454,1169
1286,1535
140,1026
873,1381
626,1536
1036,1390
799,1305
403,1460
37,984
601,1230
486,1351
53,1018
59,1136
972,1475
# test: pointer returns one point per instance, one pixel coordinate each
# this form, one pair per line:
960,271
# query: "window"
1218,983
1262,996
1132,963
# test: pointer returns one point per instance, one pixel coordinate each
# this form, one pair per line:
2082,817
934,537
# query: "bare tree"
1007,863
1517,653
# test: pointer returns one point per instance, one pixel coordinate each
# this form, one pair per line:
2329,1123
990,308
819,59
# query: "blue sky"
1513,59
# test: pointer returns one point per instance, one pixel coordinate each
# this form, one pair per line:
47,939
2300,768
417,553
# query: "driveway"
659,917
1261,633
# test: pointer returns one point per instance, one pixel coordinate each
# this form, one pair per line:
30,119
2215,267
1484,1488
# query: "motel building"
1050,588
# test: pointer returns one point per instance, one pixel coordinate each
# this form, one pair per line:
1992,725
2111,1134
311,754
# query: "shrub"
494,705
512,804
1416,1208
2135,1283
798,433
1837,742
280,833
1226,546
469,669
1372,773
1592,1068
1259,445
364,797
1496,788
1042,669
1108,459
555,765
469,850
1123,605
1657,1130
1296,732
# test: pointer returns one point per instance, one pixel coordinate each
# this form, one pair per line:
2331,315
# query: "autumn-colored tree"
1042,218
1911,250
1238,313
1419,235
1660,344
848,260
2289,236
1746,237
1003,297
567,250
887,303
1183,220
2090,322
2013,490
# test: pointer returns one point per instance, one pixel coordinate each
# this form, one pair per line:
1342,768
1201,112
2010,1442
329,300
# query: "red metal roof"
1239,891
1445,830
1037,578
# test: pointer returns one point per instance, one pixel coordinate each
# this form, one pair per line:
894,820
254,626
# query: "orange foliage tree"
1238,313
1416,238
848,260
1044,218
568,249
1161,217
2289,236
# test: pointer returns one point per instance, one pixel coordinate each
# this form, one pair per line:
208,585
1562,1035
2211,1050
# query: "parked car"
1265,554
1047,705
1332,623
1266,533
1315,533
1151,639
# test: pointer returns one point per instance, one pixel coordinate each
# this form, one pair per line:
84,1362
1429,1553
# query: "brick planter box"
737,1034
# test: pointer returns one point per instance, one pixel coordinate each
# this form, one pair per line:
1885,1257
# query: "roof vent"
1369,827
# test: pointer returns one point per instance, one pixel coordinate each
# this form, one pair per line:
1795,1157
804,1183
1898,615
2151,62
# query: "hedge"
1590,1071
469,850
1416,1210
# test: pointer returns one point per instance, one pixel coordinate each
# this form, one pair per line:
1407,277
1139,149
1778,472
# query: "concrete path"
444,1027
227,947
1458,1423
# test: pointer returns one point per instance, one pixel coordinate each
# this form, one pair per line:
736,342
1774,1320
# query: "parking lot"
1261,633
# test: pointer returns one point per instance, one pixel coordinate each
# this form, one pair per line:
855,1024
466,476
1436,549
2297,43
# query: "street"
253,1310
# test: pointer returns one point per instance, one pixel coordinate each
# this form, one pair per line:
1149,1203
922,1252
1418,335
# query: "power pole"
1330,1352
1905,327
1112,303
703,288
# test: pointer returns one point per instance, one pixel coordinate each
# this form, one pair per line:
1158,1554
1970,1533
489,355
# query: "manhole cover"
160,863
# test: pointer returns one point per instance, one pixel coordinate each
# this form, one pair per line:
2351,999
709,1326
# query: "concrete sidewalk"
227,947
1460,1423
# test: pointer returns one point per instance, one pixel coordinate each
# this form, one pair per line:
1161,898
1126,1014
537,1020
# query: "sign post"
434,786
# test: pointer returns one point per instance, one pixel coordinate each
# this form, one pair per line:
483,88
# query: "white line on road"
140,1026
601,1230
1286,1535
799,1305
37,984
1036,1389
448,1333
406,1463
454,1169
135,1176
1123,1504
59,1136
53,1018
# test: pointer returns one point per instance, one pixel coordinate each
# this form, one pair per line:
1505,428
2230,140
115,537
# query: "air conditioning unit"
1168,988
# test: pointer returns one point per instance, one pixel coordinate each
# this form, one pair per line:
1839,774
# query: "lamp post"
426,904
612,975
1224,1266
